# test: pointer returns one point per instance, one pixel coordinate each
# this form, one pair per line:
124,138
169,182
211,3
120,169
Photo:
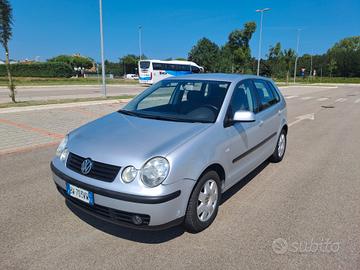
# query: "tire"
280,148
195,222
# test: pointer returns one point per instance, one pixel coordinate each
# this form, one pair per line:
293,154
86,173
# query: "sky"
46,28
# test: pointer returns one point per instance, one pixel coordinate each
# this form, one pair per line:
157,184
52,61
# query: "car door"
242,137
268,118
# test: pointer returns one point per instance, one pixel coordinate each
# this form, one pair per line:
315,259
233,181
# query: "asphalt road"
309,204
68,92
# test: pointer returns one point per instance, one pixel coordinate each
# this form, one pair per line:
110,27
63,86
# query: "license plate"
80,194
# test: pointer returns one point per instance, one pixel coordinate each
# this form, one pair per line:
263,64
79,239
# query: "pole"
140,49
311,66
321,74
232,66
102,50
297,53
260,38
259,53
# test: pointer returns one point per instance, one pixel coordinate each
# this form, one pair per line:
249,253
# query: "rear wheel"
280,148
203,203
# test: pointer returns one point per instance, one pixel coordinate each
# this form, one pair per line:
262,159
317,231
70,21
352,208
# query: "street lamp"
297,52
102,49
261,21
140,49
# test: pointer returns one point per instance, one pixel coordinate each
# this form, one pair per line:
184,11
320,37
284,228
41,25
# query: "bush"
73,60
48,70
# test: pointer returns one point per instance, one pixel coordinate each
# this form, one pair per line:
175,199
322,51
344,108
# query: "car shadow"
243,182
154,237
141,236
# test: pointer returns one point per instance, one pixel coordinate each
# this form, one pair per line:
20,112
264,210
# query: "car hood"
123,140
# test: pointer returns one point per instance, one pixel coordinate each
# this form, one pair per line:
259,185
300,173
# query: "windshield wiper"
158,117
140,114
174,119
128,112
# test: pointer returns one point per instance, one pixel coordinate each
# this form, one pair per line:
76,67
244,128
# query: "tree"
115,68
225,62
6,22
75,61
205,53
332,66
289,56
346,54
238,42
275,60
130,62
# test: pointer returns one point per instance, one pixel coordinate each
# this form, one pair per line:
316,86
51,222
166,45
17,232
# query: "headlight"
129,174
155,171
62,146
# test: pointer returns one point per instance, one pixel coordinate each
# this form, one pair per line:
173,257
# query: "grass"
59,101
34,81
308,80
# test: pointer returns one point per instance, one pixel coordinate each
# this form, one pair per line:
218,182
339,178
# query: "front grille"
99,171
106,212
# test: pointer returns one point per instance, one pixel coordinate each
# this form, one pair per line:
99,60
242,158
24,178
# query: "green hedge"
48,70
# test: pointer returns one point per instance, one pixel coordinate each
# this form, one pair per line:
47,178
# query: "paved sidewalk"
23,130
26,93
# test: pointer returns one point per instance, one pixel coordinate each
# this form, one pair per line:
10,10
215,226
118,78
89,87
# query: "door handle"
279,112
261,123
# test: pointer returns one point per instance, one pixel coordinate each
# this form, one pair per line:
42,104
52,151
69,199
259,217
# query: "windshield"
180,100
144,64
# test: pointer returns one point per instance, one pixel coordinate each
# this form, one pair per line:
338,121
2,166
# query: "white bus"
152,71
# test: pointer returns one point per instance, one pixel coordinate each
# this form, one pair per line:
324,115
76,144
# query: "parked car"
132,76
170,153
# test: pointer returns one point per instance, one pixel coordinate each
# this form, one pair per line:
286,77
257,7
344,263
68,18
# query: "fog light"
128,174
64,155
137,220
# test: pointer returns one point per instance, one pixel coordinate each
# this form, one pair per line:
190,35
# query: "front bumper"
157,212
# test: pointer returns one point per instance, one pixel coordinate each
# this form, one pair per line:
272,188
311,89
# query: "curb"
307,86
72,86
62,105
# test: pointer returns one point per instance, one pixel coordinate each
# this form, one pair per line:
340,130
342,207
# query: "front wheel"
203,203
280,148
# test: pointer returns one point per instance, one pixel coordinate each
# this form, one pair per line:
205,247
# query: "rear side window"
183,68
275,92
265,94
158,66
243,98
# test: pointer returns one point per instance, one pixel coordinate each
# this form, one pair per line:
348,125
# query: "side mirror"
243,116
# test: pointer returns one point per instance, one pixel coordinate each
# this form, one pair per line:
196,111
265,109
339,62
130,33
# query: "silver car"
170,153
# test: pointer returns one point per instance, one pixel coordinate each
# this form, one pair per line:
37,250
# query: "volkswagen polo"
169,154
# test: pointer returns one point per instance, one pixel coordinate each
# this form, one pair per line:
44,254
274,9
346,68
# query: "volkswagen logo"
86,166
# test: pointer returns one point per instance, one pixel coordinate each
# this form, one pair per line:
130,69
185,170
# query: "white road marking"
340,100
290,97
357,101
310,116
322,99
306,98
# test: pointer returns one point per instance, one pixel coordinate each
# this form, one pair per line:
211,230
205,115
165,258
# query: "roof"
217,77
183,62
